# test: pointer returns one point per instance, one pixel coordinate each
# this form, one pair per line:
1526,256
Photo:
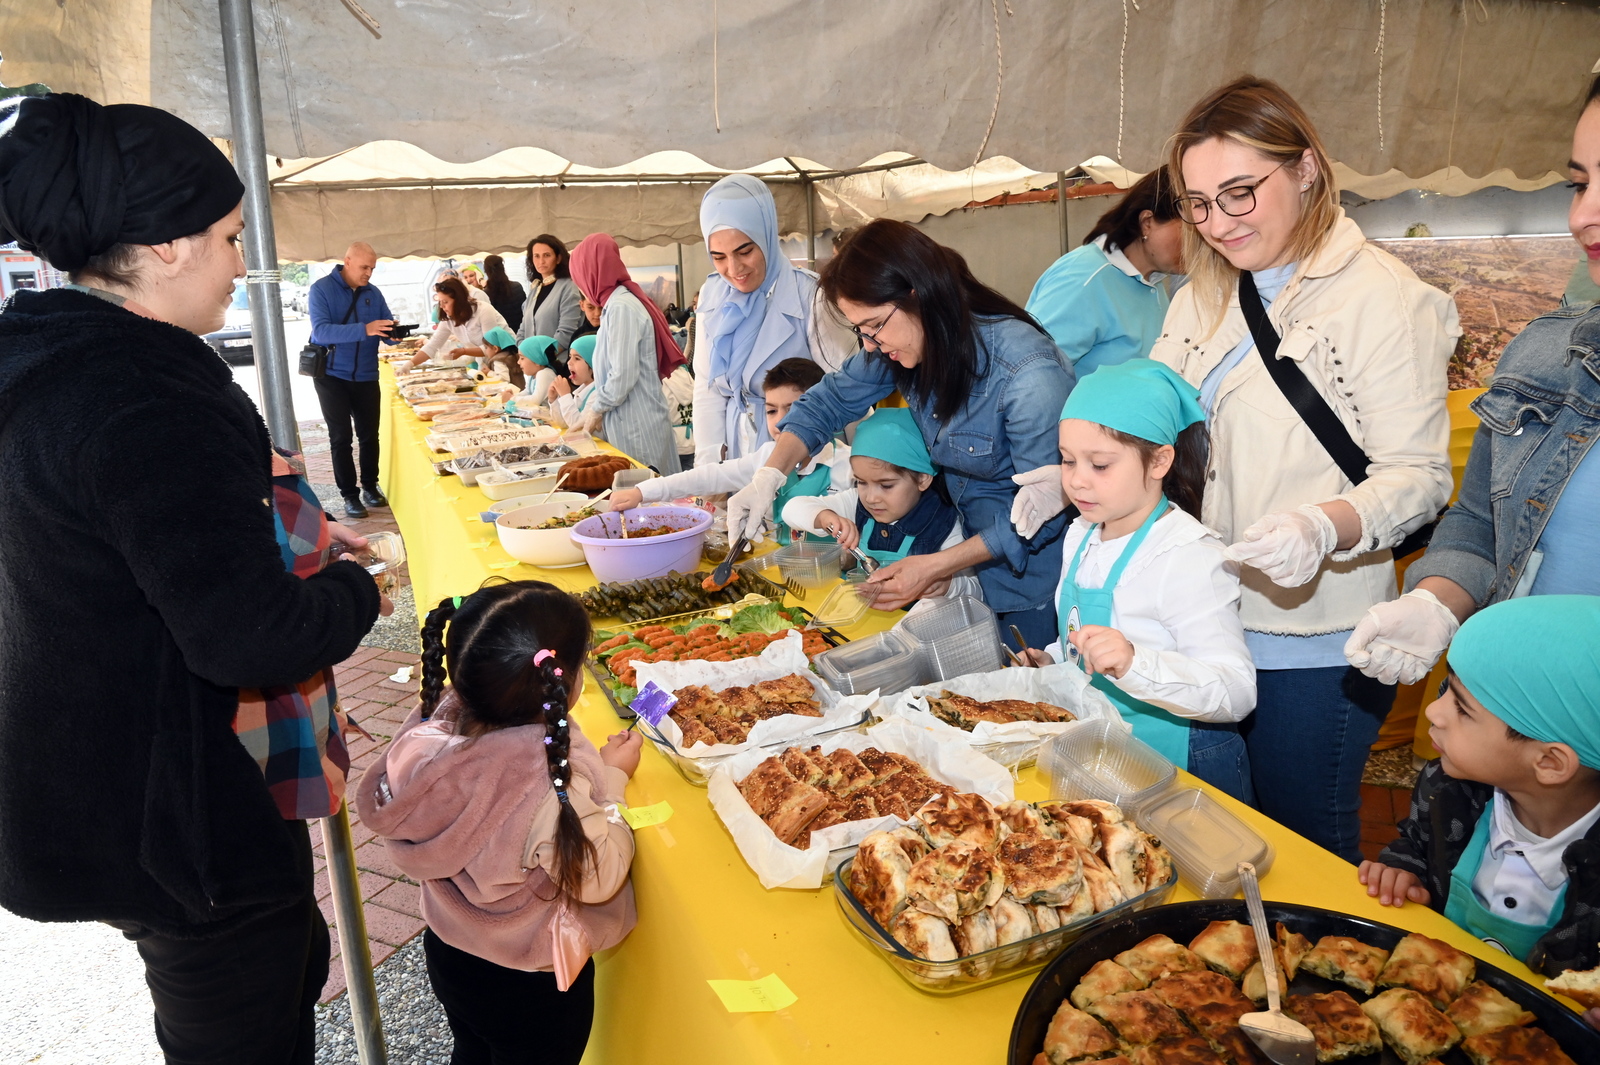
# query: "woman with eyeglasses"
985,384
1367,340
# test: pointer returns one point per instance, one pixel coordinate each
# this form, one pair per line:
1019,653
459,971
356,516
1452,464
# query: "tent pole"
260,246
681,304
351,921
811,225
1061,208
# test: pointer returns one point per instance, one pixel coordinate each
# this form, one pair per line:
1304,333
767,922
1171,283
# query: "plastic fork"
1285,1040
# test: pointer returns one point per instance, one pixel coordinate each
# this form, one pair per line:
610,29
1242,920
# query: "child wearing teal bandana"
892,507
828,471
568,397
535,356
1517,781
1147,604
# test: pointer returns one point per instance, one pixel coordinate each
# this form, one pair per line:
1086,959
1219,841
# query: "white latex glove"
752,504
588,421
1290,547
1039,498
1399,641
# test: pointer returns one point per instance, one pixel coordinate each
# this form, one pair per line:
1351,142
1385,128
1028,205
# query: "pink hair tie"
539,657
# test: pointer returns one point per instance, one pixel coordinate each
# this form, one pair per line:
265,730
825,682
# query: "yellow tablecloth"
703,914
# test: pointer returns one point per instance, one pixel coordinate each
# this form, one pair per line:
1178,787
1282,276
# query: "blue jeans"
1309,739
1038,626
1218,756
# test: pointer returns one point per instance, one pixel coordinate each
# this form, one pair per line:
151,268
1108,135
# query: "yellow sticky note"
644,816
504,565
754,996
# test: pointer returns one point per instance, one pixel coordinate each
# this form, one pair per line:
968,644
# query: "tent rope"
1383,17
999,77
716,100
288,76
1122,75
361,16
1455,106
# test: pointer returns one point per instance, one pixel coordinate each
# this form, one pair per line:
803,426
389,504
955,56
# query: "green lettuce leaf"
766,617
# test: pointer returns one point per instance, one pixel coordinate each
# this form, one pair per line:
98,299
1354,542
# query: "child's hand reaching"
1104,650
1391,886
1035,657
622,751
840,528
626,499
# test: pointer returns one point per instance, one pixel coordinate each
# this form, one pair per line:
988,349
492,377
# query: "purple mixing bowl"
611,558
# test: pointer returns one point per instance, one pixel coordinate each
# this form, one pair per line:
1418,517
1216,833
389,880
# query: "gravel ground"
414,1028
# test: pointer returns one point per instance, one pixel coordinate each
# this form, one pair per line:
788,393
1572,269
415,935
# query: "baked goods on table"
1514,1046
1435,970
727,716
1480,1008
1347,961
593,472
1580,985
1411,1025
964,712
837,787
1338,1023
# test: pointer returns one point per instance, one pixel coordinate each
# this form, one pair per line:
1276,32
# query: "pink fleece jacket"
474,821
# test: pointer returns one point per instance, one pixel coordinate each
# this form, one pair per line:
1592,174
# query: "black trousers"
343,403
246,997
503,1016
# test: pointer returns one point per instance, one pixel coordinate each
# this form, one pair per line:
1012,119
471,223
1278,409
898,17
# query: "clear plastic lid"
1206,840
1099,760
845,605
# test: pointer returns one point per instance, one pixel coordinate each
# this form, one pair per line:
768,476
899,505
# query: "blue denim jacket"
1538,421
1008,425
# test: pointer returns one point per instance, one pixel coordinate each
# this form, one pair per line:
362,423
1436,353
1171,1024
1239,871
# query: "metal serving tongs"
1022,646
722,576
1285,1040
869,565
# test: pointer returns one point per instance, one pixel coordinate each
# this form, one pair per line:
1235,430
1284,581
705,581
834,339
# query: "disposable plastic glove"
1039,498
587,422
752,504
1288,548
1399,641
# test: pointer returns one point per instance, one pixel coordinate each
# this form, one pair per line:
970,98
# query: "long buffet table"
704,916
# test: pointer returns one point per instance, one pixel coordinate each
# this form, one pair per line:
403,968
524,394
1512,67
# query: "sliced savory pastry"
1346,960
1480,1008
923,934
1099,884
1039,870
1228,947
1338,1024
961,816
1073,1036
1437,971
1019,816
1237,1047
1416,1030
975,934
956,880
878,876
965,712
1013,922
1514,1046
1580,985
1104,978
1209,1001
1157,956
1185,1049
1254,983
787,805
1292,946
1138,1017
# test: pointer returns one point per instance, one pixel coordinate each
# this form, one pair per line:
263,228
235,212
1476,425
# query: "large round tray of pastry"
1169,985
974,893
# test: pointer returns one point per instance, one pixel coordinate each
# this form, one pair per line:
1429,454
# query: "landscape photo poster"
660,283
1500,284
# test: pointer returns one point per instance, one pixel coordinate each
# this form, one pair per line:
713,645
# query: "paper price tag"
754,996
644,816
652,703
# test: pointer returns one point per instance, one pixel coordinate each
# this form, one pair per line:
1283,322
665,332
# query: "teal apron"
881,555
1078,607
815,483
1513,937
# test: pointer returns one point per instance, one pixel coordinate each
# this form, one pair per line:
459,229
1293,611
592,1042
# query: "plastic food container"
532,478
845,605
550,548
987,967
956,637
1206,840
765,568
613,558
884,661
1098,760
630,478
810,564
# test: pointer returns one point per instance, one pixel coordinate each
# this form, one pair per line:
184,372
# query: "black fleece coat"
1444,814
140,587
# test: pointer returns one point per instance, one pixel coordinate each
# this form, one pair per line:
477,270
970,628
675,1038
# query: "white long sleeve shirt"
1177,602
565,409
468,334
734,474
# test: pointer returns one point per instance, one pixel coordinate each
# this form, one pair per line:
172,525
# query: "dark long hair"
460,300
563,258
1185,482
489,648
496,283
1120,225
888,262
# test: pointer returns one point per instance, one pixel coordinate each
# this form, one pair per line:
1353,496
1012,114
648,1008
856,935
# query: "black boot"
353,507
373,497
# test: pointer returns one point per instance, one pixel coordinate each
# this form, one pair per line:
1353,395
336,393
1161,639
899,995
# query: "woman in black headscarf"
142,586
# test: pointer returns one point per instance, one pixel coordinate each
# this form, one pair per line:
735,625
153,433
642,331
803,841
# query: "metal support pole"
260,245
811,224
682,306
1061,208
352,925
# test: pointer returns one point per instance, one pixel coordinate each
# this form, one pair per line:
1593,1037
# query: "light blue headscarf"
1534,663
1140,397
740,202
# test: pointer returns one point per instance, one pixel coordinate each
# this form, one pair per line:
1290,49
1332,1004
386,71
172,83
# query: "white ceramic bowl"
506,506
550,548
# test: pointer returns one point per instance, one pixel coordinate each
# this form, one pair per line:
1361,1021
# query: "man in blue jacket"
349,315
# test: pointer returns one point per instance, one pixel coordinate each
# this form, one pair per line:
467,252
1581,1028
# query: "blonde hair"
1259,114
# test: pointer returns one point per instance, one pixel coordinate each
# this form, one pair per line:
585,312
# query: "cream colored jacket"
1375,342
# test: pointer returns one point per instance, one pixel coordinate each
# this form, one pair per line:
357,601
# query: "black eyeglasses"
1234,202
864,336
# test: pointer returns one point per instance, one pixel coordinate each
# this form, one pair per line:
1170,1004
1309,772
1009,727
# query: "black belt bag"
1312,408
314,357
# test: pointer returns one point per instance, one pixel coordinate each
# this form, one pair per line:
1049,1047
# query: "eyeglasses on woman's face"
863,334
1234,202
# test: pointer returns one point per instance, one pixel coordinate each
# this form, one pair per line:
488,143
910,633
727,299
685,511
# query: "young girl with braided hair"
493,798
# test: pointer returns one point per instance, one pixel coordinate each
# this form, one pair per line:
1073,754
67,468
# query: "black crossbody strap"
354,296
1291,381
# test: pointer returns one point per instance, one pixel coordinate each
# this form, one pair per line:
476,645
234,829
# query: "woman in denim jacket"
1528,518
985,384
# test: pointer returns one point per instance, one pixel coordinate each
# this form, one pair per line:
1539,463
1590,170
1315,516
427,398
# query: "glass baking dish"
697,771
1100,760
989,966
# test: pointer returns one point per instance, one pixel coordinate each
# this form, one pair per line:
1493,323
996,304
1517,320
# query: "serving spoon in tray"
1285,1040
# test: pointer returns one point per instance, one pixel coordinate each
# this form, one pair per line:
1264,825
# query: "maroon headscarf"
597,270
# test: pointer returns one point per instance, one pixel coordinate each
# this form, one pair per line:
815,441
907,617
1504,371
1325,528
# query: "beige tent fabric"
1482,85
